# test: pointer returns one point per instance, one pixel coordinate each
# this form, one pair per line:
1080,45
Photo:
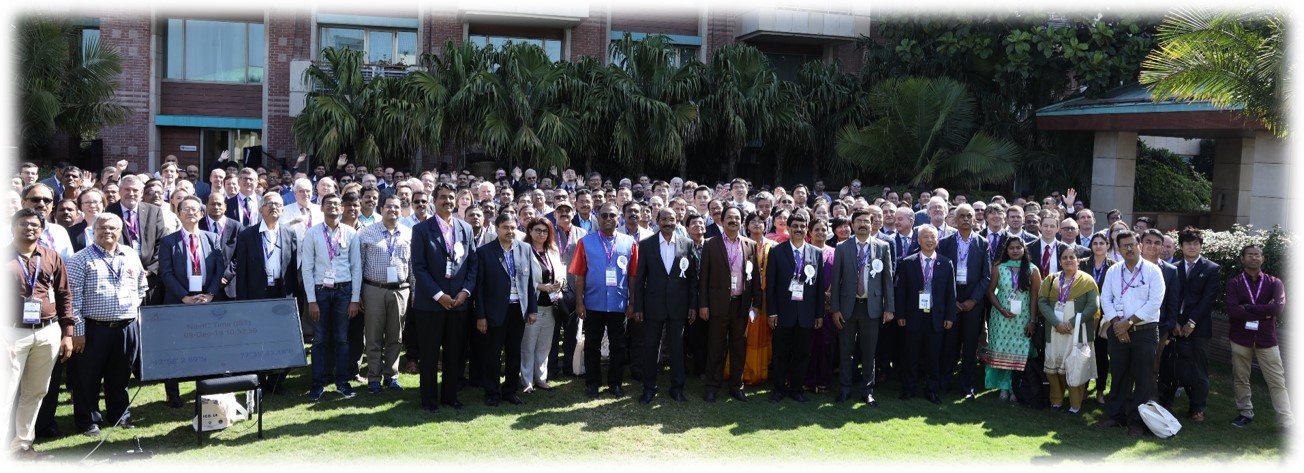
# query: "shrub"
1224,248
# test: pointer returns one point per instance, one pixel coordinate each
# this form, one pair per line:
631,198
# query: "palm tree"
524,117
655,116
590,98
1229,58
742,94
832,100
450,98
336,116
925,130
64,90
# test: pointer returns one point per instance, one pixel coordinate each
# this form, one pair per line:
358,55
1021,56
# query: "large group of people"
506,282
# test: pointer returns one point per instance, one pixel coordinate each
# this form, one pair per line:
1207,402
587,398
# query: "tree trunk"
731,164
683,167
778,169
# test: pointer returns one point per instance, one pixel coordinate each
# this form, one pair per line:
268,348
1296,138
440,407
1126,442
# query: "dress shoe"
513,399
869,399
455,404
842,396
647,396
92,431
932,397
616,391
491,402
906,396
678,396
798,395
1197,416
738,394
709,396
1242,421
776,396
1136,431
430,409
175,402
592,391
411,368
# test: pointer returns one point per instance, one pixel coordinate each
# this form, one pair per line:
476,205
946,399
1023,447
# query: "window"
679,55
379,46
215,51
89,36
551,47
788,66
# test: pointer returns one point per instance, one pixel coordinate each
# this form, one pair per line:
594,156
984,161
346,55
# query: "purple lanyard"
330,242
733,253
1014,277
799,255
962,249
269,246
31,279
390,241
1063,289
1254,295
1128,284
511,265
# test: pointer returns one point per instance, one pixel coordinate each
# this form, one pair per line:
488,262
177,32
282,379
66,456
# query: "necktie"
860,270
928,275
1045,258
194,255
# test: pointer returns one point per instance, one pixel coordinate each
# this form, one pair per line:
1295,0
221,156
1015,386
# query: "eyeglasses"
608,215
40,200
275,205
539,230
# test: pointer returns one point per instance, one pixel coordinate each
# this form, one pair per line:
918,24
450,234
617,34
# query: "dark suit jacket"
980,267
233,211
150,223
250,267
230,230
430,258
902,246
1173,287
712,231
175,265
1035,252
77,234
714,293
910,280
779,270
1198,289
202,189
493,296
671,296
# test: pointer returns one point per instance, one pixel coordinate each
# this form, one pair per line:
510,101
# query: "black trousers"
634,348
613,325
726,331
563,343
891,341
1132,365
791,357
497,340
960,344
439,330
105,363
923,348
695,346
859,332
411,342
1101,348
651,343
1198,393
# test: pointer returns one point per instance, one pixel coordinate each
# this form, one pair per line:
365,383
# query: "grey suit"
861,317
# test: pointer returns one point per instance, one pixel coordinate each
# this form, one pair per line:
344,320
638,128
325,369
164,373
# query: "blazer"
978,264
77,234
713,230
714,280
430,258
1197,295
492,299
910,280
251,269
1035,252
230,229
233,211
671,295
150,222
202,190
175,268
779,270
842,290
903,246
1173,287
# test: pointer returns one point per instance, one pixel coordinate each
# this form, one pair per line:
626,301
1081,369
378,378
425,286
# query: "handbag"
1080,363
1159,420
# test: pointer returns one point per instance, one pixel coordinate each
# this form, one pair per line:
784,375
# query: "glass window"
215,51
343,38
89,36
379,46
407,47
679,55
551,47
788,66
257,52
381,49
176,51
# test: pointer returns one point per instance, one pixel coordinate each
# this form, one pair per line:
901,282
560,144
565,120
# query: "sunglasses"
608,215
40,200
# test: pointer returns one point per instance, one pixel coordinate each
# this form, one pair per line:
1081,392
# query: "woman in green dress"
1009,328
1067,299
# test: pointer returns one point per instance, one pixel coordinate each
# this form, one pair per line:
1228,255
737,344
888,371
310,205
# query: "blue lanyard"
390,241
30,279
108,263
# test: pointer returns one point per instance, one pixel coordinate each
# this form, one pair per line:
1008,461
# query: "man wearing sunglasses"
603,264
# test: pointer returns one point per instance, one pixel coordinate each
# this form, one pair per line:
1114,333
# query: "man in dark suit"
973,273
665,298
793,277
142,227
444,268
861,300
226,230
1199,283
506,302
1045,250
925,290
730,289
993,233
243,206
191,265
266,265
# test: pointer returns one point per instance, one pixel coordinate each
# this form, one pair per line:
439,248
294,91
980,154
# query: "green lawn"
565,425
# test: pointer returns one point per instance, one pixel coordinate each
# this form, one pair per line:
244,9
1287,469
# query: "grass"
565,425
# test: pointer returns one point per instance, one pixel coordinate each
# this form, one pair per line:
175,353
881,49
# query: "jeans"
331,334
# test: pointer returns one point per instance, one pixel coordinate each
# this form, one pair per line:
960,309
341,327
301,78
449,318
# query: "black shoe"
513,399
92,431
175,402
798,396
491,401
455,404
906,396
1242,421
592,391
738,394
776,396
430,409
932,397
648,394
678,396
842,396
869,400
709,397
616,391
52,433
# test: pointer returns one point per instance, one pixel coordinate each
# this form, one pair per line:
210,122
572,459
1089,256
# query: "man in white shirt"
1130,302
301,214
420,210
329,273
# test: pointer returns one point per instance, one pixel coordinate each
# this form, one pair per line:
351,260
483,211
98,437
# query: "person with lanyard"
1097,265
861,301
794,307
226,230
972,276
549,279
144,224
1131,299
444,266
41,198
265,264
903,242
1010,324
567,329
506,302
382,255
665,293
192,265
91,203
328,266
584,217
1068,302
1199,284
925,292
729,296
1255,303
109,324
241,207
43,334
603,264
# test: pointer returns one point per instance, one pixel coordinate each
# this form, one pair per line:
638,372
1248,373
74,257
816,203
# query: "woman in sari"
1097,265
1069,301
756,367
824,345
779,233
1010,325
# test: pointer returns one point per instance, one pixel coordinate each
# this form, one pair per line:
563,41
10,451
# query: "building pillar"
1233,169
1269,181
1113,173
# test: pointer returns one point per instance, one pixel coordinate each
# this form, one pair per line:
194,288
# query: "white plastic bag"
1080,363
1159,420
219,411
577,366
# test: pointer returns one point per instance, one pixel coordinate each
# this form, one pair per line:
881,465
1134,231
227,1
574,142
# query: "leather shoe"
126,424
647,397
26,452
776,396
906,396
175,402
869,399
932,397
491,402
430,409
798,395
455,404
709,396
678,396
616,391
842,396
738,394
513,399
1197,416
1135,431
592,391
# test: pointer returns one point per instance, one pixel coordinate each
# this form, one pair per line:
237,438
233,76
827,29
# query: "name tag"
448,269
512,295
328,281
926,301
196,283
391,275
611,277
1015,307
135,245
798,290
962,276
1252,325
733,282
31,311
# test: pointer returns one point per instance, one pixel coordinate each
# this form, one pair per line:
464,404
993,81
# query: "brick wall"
721,29
589,38
441,26
289,37
129,31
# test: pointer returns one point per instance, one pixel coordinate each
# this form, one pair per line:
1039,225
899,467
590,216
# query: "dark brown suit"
727,325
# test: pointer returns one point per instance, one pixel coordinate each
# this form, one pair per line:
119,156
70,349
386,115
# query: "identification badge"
798,290
196,283
391,275
1252,325
271,281
449,267
512,294
611,278
1015,307
1118,308
328,281
925,301
733,282
32,311
961,276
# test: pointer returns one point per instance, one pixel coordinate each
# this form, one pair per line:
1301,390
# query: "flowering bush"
1224,248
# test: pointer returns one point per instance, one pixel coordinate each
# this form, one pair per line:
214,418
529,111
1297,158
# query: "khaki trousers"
1273,373
32,354
383,330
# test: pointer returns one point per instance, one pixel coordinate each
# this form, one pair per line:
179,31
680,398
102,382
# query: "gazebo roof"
1133,108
